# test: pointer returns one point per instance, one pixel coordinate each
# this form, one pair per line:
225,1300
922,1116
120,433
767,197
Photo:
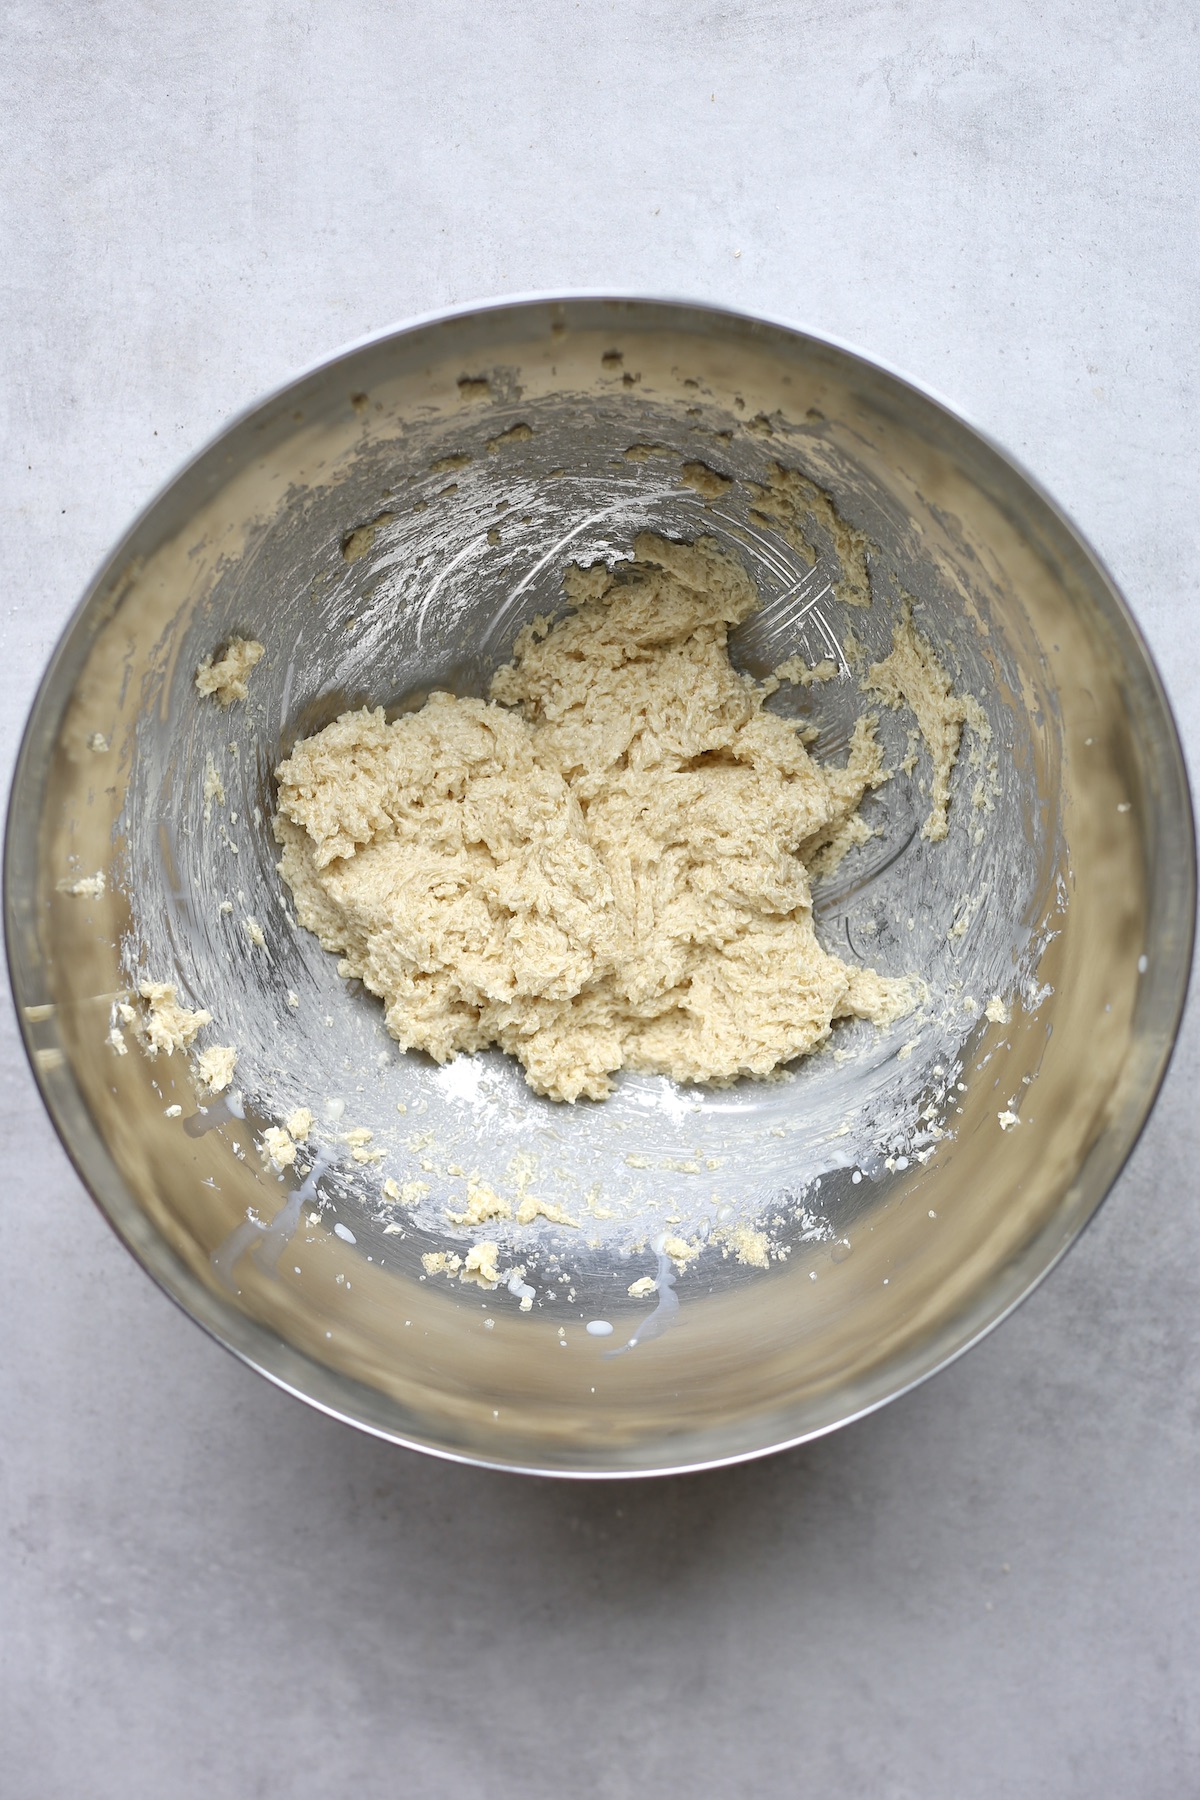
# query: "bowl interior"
384,527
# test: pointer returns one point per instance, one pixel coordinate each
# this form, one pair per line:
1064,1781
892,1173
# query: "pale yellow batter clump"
606,865
226,676
167,1025
215,1067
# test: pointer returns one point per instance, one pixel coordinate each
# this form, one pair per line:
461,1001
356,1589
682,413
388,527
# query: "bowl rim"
254,1344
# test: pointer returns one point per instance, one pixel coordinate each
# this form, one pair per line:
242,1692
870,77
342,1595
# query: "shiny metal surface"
1073,897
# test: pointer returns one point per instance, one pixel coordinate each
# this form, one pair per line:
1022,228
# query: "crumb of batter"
168,1026
116,1041
912,676
645,1285
225,676
215,1066
516,434
300,1123
605,866
276,1146
996,1011
482,1204
408,1193
359,1140
86,887
530,1209
680,1251
749,1246
482,1265
254,932
358,542
441,1262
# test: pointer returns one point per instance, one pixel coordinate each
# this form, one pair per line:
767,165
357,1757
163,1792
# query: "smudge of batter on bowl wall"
911,676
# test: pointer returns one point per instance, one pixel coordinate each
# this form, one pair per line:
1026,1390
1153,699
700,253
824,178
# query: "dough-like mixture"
607,864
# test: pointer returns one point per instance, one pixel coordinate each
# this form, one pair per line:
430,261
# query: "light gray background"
990,1589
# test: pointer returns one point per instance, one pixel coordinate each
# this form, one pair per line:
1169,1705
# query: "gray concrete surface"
990,1589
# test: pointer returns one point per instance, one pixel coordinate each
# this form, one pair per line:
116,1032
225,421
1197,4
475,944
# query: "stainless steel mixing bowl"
384,525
